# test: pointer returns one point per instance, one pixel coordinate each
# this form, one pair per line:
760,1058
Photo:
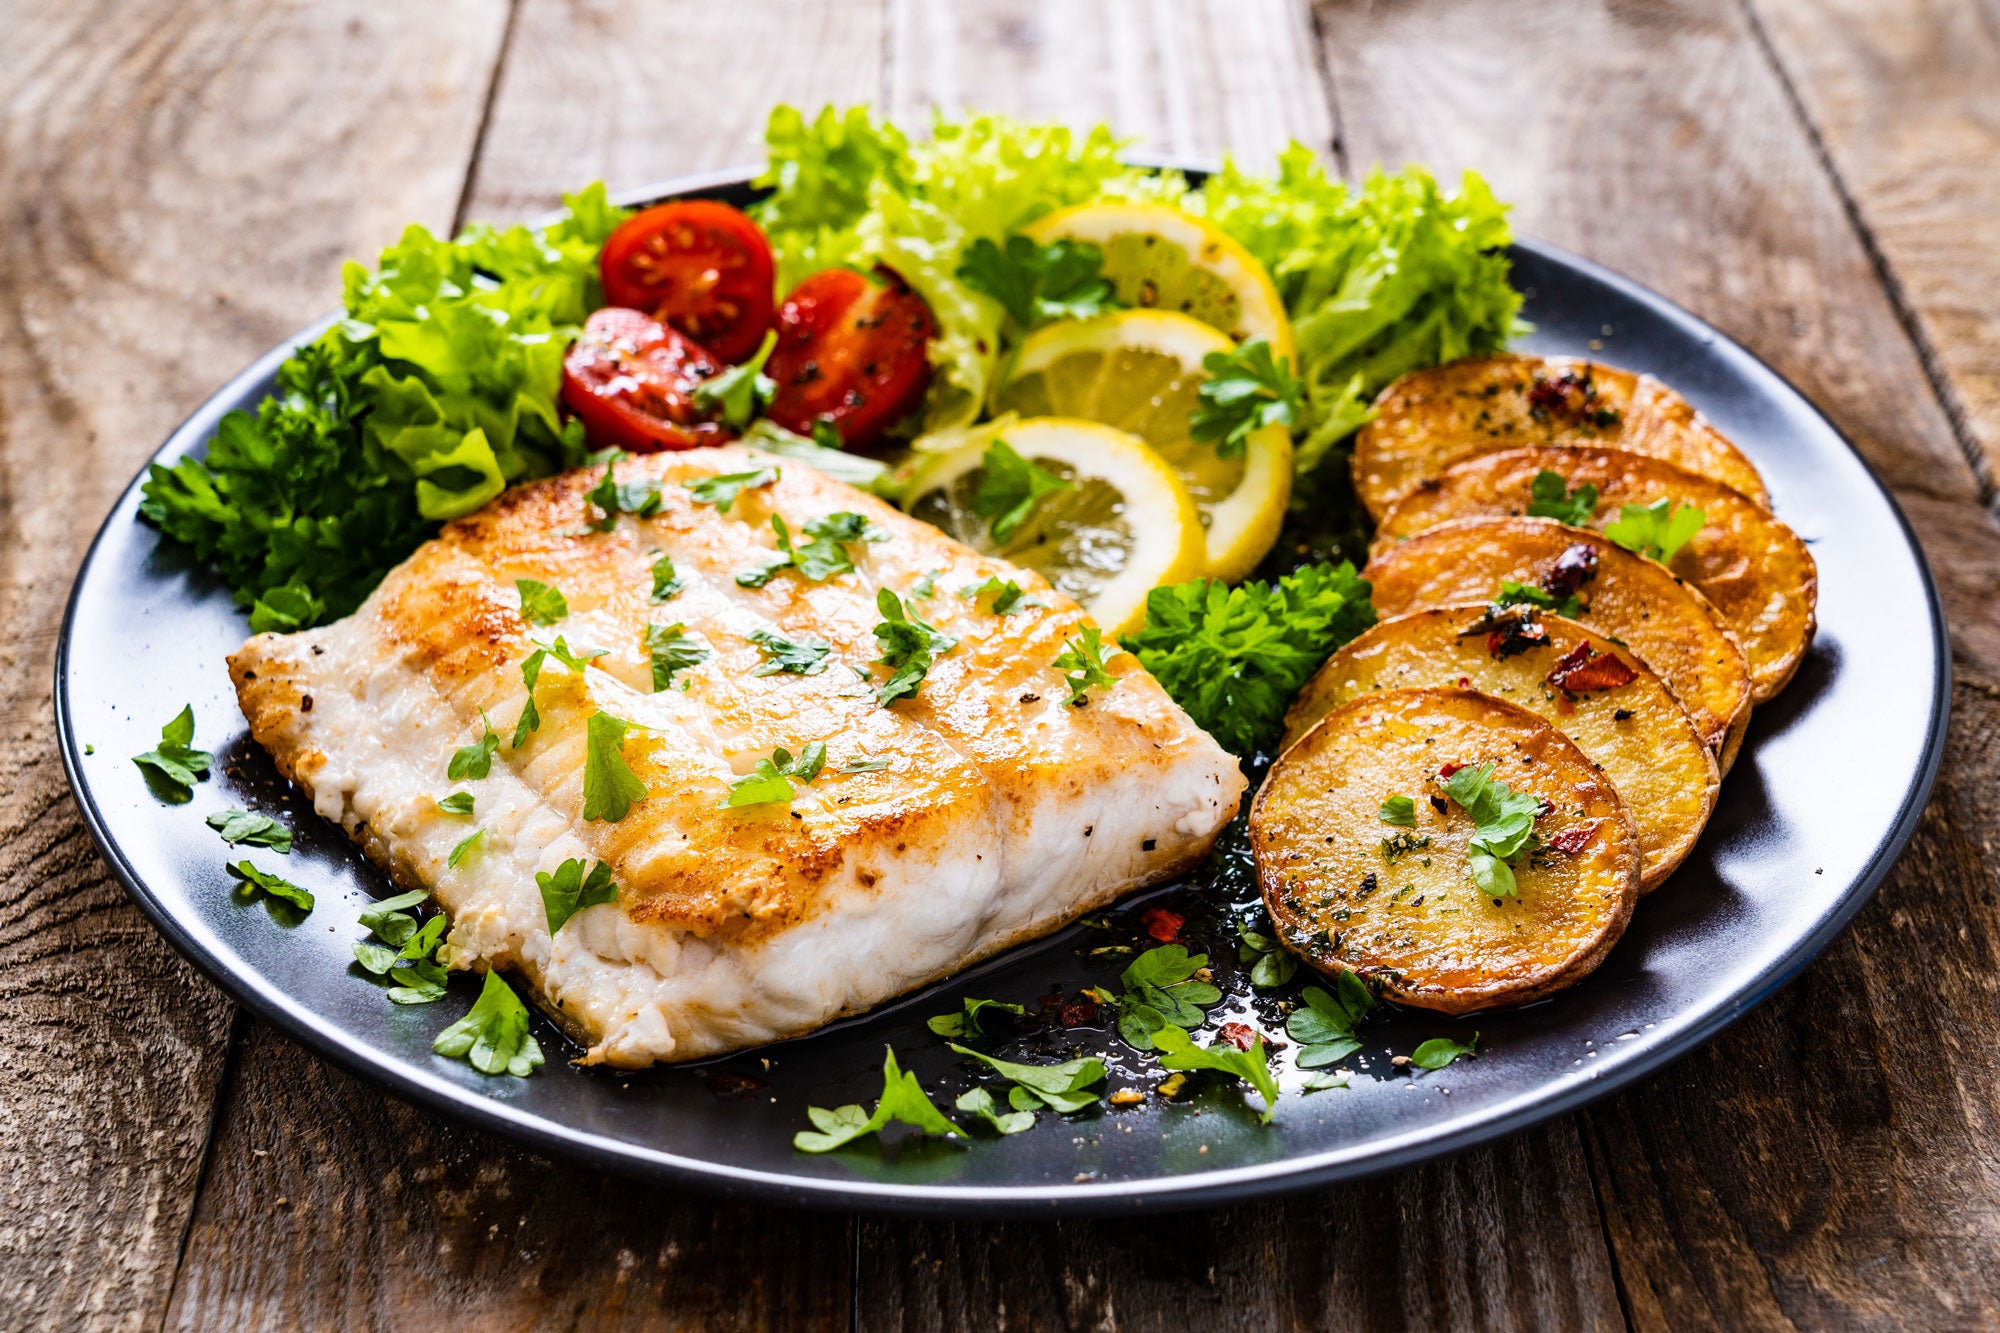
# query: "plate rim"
1283,1175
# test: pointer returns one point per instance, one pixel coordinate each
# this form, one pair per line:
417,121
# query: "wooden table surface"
178,185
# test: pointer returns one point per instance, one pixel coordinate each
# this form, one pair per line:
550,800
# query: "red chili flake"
1448,769
1076,1015
1163,925
1572,569
1584,668
1051,1000
1465,682
1239,1035
1573,840
1566,392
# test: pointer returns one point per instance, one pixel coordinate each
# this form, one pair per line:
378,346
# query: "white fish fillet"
1003,813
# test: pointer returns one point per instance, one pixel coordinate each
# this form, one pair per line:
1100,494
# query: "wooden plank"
1904,100
588,90
1502,1238
177,186
1187,78
633,93
331,1205
1827,1161
1425,1248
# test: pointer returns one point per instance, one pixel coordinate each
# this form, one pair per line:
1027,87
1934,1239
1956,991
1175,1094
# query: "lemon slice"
1123,526
1139,370
1160,258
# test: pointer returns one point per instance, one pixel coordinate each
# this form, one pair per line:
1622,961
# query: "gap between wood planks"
1941,384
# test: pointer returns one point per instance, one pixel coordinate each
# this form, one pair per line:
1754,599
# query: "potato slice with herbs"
1430,419
1599,695
1399,904
1753,569
1636,601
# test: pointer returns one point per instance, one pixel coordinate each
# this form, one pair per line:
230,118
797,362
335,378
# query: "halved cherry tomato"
699,266
632,380
851,350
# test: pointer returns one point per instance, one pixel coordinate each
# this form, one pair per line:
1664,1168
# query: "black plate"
1824,798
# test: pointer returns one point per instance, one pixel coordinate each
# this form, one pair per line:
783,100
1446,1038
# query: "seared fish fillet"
1003,812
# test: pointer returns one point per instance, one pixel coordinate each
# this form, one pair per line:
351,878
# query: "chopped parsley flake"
770,782
740,392
666,583
1178,1051
609,784
173,769
458,803
672,649
475,761
1246,390
1503,823
722,489
1082,663
1549,497
252,830
801,657
1657,530
569,890
1441,1051
903,1100
541,603
493,1037
1400,811
1011,489
909,647
255,881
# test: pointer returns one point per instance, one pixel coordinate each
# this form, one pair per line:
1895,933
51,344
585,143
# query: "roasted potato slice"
1599,695
1430,419
1753,569
1399,906
1626,597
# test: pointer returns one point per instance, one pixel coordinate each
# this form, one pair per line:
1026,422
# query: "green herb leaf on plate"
493,1036
173,769
1440,1051
1060,1086
979,1102
1037,284
903,1101
1179,1052
740,392
966,1022
1325,1028
255,881
1274,965
251,830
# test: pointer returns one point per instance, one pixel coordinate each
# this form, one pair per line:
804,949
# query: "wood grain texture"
1185,78
1828,1162
395,1218
1657,140
632,93
332,1206
143,254
1906,102
1442,1246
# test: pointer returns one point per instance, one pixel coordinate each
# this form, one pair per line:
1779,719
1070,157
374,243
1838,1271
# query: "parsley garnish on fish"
1549,497
609,784
458,803
1503,823
822,556
612,497
909,647
175,766
1082,663
1036,284
251,830
1011,489
722,489
1007,596
903,1101
569,890
1246,390
476,760
801,657
1657,530
531,716
672,649
575,661
464,848
541,603
770,782
740,392
493,1037
666,582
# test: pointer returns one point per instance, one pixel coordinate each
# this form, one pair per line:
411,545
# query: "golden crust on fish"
941,829
1430,419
